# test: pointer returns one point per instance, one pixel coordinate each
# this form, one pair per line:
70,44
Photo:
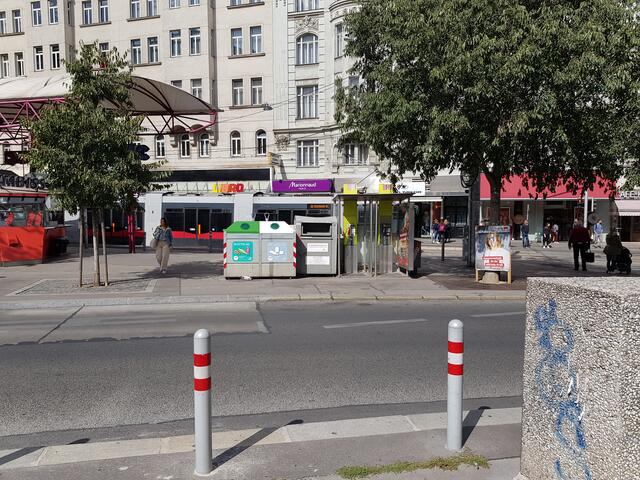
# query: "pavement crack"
59,325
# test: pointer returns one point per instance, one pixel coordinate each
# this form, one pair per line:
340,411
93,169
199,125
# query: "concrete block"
581,379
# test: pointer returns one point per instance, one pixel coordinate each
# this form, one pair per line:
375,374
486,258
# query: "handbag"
154,243
589,257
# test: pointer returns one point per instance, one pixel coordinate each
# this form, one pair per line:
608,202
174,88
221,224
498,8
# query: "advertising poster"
493,251
242,252
404,245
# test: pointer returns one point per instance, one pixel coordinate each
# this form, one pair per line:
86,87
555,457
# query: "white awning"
628,208
149,97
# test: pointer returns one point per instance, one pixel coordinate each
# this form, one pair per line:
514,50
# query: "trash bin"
318,245
242,250
278,247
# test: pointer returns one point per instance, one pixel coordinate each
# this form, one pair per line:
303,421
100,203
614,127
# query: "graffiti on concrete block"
557,385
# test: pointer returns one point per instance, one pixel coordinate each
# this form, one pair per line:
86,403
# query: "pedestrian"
163,239
612,250
554,232
598,230
546,236
525,234
442,231
434,230
579,240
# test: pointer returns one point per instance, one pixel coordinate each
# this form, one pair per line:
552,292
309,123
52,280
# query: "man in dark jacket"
525,234
580,240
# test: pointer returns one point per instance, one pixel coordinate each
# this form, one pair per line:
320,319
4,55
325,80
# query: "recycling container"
242,250
318,245
278,249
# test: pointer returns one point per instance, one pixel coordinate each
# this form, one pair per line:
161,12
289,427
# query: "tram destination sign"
9,179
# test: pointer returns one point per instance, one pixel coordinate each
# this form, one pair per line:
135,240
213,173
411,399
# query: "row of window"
153,54
255,40
135,9
237,92
16,16
307,150
301,5
38,61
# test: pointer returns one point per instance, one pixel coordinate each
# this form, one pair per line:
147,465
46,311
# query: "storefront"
561,207
627,215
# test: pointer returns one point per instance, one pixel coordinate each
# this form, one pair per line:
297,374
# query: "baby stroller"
623,261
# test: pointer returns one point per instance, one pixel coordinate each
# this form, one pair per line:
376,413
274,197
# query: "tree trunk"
95,224
104,249
81,249
495,183
85,211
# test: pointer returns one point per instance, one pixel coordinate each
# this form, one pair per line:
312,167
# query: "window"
176,43
38,59
136,52
339,40
152,50
196,87
235,3
17,21
174,3
307,49
185,146
237,90
104,48
194,3
36,14
103,11
261,142
135,9
236,41
152,8
203,145
19,58
256,91
194,41
308,102
160,150
53,12
307,153
354,154
70,7
3,23
87,14
354,81
236,144
4,65
256,39
55,56
305,5
176,83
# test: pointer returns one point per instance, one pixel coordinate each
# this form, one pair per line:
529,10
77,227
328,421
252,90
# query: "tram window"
175,219
220,219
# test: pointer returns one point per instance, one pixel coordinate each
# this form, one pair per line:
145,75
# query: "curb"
519,295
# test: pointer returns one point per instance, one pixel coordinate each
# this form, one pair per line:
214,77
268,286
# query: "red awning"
513,189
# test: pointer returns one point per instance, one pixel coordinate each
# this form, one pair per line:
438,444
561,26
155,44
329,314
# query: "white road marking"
370,324
501,314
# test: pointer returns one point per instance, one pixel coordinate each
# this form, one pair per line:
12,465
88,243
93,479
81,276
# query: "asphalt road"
93,368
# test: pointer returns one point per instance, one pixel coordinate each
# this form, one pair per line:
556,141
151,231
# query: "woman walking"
546,236
163,238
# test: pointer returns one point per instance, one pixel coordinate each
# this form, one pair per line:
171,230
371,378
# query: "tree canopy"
547,90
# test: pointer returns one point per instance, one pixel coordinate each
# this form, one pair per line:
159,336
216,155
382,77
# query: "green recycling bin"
241,250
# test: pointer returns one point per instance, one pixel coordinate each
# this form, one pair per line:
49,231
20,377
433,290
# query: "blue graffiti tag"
558,388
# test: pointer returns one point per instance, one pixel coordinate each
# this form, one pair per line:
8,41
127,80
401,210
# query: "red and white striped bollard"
455,367
202,400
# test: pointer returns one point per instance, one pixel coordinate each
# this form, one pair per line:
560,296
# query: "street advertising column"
493,250
404,247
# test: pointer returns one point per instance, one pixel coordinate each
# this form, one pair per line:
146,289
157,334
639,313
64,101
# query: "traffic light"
140,150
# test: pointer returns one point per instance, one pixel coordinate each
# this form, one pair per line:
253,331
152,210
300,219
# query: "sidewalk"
294,451
198,277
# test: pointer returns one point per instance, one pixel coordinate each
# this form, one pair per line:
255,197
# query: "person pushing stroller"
618,256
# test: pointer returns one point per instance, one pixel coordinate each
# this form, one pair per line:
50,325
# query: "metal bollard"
454,385
202,400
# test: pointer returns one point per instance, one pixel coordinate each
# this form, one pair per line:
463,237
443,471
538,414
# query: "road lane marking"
500,314
373,324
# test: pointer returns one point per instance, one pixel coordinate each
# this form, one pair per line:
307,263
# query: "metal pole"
454,385
202,400
444,237
585,209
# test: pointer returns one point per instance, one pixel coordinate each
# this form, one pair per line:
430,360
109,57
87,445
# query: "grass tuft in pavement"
443,463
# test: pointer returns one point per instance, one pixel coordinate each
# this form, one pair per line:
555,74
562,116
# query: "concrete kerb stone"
234,299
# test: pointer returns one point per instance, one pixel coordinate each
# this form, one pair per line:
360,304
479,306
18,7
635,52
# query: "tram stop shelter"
377,232
165,109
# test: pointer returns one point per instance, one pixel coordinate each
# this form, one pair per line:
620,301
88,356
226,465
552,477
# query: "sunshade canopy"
173,108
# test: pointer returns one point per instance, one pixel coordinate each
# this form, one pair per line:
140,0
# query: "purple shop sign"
297,186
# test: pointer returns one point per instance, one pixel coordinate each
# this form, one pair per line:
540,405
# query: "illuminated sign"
350,189
227,188
385,188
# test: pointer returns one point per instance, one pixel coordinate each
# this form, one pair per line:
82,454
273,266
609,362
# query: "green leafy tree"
82,145
547,90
